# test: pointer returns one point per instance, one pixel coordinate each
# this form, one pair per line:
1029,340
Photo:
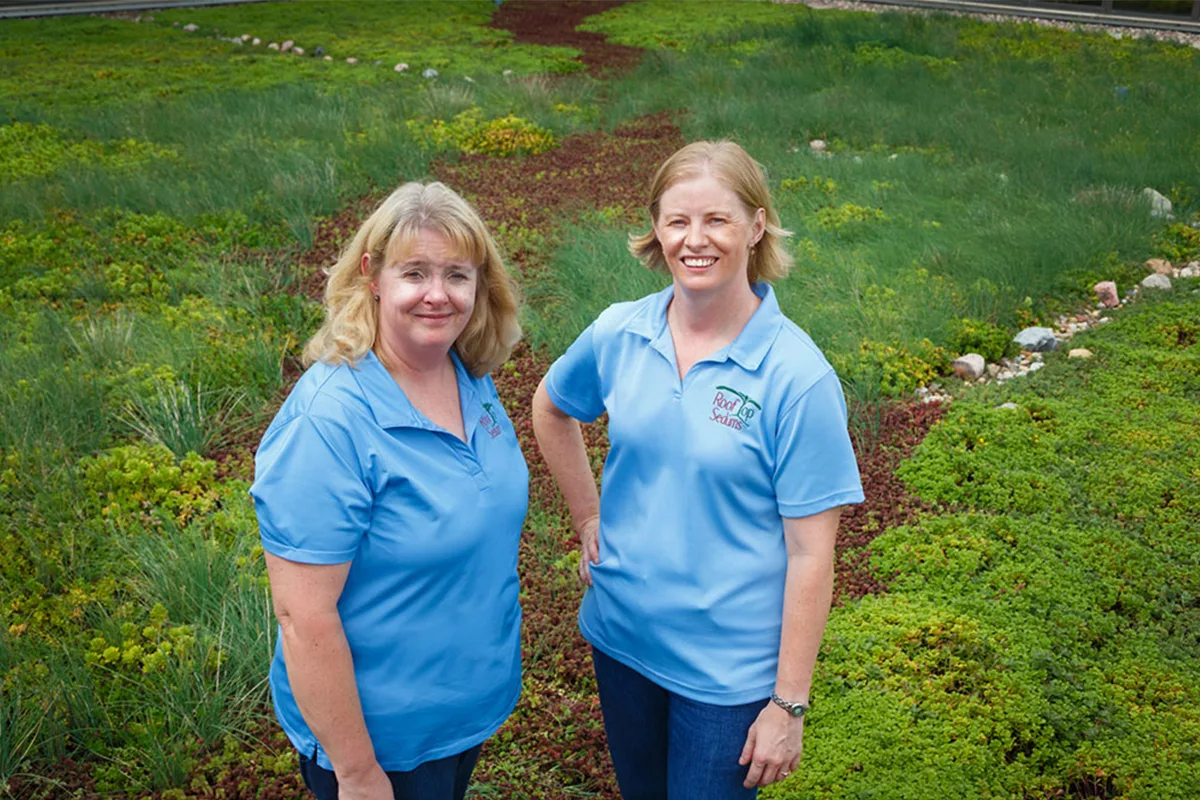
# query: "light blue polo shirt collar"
392,409
749,348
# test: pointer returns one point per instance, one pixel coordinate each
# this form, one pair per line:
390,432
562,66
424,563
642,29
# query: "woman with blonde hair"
391,491
708,552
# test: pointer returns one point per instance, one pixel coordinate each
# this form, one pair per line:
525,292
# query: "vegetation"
169,197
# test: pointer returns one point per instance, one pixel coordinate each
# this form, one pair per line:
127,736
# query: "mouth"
698,262
434,318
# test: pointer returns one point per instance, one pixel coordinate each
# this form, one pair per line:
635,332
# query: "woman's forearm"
561,441
321,675
807,595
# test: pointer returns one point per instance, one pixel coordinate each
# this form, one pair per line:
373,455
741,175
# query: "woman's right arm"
321,672
561,442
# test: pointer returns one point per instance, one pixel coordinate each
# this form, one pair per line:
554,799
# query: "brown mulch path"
553,24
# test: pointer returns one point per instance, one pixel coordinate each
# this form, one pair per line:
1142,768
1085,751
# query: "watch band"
795,709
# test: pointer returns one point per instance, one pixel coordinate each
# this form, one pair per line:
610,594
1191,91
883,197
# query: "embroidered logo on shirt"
488,421
733,409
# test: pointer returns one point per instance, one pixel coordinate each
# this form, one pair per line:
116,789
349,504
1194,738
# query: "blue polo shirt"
350,470
699,475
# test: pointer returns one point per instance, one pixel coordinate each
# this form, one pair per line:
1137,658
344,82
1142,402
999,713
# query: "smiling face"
426,295
706,234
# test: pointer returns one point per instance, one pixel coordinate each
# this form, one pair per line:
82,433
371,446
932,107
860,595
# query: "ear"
364,266
760,226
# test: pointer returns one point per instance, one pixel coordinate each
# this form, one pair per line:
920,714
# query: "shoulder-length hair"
736,170
351,313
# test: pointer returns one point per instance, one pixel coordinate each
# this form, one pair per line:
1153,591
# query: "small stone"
1160,265
893,156
256,41
329,58
429,72
507,72
1036,339
318,51
1010,406
857,159
1156,281
283,48
191,27
351,60
401,67
245,37
818,145
273,45
1106,291
969,367
1159,206
1192,270
1079,352
298,51
1035,366
993,370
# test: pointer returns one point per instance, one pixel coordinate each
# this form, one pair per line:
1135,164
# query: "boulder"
1160,265
1159,205
969,367
1156,281
1036,339
1106,293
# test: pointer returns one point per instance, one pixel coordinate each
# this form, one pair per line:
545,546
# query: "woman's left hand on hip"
773,746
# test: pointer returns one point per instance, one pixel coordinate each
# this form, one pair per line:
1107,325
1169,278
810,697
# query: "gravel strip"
1114,31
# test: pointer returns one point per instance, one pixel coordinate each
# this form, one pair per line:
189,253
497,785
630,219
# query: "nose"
435,295
694,238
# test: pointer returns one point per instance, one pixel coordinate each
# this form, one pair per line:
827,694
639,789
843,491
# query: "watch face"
797,710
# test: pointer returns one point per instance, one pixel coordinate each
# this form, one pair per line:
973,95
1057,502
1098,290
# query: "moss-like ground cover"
1017,600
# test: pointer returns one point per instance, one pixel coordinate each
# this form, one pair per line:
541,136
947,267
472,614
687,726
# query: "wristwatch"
795,709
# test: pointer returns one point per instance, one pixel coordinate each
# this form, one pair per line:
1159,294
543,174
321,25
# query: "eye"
412,275
459,277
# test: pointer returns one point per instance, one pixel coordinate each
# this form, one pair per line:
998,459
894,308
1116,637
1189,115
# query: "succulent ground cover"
1016,602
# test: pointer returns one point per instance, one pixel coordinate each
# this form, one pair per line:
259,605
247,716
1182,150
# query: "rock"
1079,352
993,370
191,27
1156,281
429,72
351,60
245,37
273,45
1160,265
298,51
1035,366
893,156
256,41
318,51
818,145
507,72
1192,270
1159,205
1036,339
1010,406
1106,292
401,67
969,367
857,159
329,58
283,48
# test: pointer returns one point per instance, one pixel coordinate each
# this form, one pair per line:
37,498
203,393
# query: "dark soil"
553,24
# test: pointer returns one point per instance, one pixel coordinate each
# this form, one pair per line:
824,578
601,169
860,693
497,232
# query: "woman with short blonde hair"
352,316
391,491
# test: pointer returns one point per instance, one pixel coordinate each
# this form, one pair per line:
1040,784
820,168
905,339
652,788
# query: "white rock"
1156,281
190,27
256,41
969,367
1079,352
429,72
1010,406
507,72
818,145
351,60
1192,270
245,37
283,48
1036,339
858,159
298,51
273,45
893,156
1159,205
329,58
1035,366
400,67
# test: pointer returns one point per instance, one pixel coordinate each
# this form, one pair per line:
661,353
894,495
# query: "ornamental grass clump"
471,133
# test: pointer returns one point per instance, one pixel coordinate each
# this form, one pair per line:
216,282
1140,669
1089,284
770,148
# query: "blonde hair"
351,313
736,170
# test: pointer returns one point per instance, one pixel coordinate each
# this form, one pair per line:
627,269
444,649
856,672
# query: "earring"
376,298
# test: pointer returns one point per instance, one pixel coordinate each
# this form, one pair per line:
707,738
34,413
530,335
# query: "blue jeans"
444,779
667,747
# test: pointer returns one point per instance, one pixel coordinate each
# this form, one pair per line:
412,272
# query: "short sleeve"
573,381
815,468
313,506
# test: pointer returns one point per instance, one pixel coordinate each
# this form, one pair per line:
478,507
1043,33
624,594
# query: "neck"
412,364
713,313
